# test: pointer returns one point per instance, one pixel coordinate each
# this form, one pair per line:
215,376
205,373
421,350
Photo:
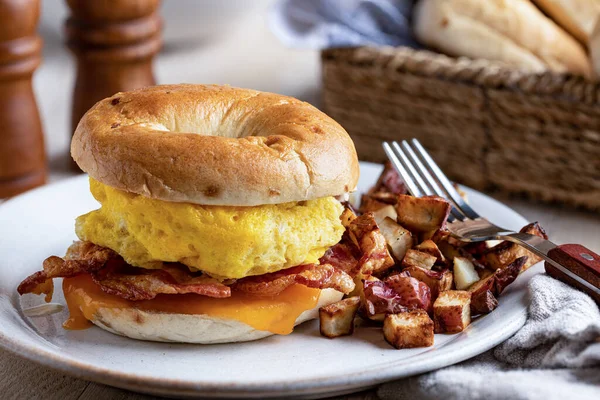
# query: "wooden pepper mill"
114,43
22,157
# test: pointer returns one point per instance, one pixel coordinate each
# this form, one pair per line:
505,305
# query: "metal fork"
423,177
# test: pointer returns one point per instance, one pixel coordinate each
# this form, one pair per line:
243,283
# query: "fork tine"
435,188
451,192
410,183
414,175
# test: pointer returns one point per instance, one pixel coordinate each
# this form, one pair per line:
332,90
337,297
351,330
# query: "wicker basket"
489,126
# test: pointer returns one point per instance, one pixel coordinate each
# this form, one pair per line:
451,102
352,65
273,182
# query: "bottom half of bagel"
190,318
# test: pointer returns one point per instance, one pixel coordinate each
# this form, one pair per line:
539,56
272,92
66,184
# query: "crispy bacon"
81,257
326,276
115,276
321,276
138,284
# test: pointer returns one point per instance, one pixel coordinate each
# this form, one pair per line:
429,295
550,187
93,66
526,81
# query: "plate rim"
314,386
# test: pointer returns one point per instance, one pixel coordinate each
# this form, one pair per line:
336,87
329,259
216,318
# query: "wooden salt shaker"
114,43
22,157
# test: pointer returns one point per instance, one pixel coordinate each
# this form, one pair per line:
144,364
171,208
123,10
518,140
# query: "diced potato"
398,239
347,217
438,281
422,214
359,284
408,329
483,284
464,273
337,319
369,204
452,311
429,247
506,275
506,252
416,258
385,212
483,302
365,233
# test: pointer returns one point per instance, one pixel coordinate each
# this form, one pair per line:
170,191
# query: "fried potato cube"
408,329
385,212
399,240
438,281
464,273
505,253
416,258
370,204
347,217
366,235
452,311
428,246
483,302
337,319
422,214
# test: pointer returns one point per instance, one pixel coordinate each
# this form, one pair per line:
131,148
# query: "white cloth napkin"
320,24
556,355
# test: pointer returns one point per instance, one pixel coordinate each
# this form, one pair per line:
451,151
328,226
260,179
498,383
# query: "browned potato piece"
385,212
369,204
422,214
399,240
347,217
337,319
483,302
452,311
365,233
408,329
429,247
416,258
505,253
438,281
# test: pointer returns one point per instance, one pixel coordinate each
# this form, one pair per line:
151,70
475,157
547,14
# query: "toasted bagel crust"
215,145
190,328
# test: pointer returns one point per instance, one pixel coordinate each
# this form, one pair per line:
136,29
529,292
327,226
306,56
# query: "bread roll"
595,49
511,31
578,17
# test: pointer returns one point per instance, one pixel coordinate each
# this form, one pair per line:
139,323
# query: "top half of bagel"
215,145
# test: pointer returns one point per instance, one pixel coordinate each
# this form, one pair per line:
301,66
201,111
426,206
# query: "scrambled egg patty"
226,242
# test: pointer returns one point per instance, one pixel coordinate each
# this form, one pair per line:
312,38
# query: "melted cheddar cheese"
275,314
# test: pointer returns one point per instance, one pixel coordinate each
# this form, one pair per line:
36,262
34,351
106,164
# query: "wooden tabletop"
214,56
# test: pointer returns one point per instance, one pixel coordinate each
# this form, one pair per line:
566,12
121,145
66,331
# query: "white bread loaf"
578,17
511,31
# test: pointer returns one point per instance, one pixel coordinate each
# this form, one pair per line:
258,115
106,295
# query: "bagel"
186,328
217,220
215,145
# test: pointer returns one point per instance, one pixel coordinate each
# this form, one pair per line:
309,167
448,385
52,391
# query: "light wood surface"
226,54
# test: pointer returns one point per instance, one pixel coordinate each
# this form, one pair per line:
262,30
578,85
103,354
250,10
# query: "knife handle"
579,260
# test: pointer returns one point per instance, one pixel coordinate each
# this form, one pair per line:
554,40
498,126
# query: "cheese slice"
275,314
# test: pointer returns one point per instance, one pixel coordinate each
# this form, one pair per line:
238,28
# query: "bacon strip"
81,257
138,284
321,276
115,276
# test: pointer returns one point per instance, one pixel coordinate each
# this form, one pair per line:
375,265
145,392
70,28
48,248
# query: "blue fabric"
321,24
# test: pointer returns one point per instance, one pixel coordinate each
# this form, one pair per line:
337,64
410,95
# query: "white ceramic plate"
304,364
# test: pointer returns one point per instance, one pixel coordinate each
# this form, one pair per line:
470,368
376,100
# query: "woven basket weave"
488,126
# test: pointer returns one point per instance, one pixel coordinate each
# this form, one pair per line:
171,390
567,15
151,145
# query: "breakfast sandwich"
221,219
